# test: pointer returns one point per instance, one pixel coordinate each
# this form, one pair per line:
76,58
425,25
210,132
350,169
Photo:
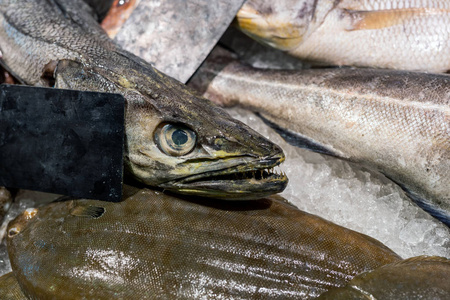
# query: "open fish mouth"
247,181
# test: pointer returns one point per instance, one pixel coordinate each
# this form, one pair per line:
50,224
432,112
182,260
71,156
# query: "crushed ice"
355,198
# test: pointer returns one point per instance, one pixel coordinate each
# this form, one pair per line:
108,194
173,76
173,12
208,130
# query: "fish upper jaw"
246,180
265,24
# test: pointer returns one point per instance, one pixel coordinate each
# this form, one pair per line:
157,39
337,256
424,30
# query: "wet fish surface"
175,139
155,246
10,288
407,35
414,278
395,122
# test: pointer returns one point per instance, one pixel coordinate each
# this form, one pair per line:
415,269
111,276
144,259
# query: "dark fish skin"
60,40
394,122
155,246
10,288
101,7
419,277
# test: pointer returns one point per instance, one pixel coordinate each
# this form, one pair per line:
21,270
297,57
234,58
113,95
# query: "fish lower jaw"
236,183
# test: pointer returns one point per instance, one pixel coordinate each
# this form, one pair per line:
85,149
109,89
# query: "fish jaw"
245,181
223,164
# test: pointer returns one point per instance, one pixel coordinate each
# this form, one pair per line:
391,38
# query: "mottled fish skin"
155,246
60,40
401,34
10,288
419,277
395,122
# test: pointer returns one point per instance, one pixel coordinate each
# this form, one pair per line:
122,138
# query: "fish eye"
175,139
13,231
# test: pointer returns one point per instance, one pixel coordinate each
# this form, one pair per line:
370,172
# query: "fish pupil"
179,137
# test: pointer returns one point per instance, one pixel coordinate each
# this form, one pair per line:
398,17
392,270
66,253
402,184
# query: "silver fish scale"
394,122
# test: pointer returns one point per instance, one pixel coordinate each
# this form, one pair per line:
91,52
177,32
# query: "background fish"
5,202
395,122
153,245
174,139
117,14
408,35
414,278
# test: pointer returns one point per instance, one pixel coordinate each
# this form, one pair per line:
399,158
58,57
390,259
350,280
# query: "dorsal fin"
88,211
387,18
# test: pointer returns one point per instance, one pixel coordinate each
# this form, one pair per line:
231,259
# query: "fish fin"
362,20
297,140
88,211
64,199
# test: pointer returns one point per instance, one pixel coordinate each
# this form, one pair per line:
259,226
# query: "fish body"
414,278
394,122
175,139
155,246
407,35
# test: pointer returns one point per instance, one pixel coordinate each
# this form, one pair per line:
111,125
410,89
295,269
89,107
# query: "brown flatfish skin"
419,277
155,246
10,289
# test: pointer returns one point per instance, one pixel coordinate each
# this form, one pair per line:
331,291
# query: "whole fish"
155,246
395,122
175,139
414,278
407,35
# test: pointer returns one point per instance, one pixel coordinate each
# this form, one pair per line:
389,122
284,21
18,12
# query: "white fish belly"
384,34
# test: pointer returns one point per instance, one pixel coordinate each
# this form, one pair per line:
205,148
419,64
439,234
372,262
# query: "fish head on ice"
179,141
